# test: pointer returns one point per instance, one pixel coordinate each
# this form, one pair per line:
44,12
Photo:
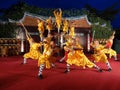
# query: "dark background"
67,4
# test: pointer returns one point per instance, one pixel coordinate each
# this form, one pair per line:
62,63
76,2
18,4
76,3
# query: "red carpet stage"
16,76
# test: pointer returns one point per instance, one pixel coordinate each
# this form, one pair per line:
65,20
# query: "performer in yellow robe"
41,28
65,26
72,31
108,50
68,39
55,53
45,59
34,52
99,54
77,57
58,17
49,25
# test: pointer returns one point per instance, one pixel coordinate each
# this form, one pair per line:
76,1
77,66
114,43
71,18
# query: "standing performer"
72,31
65,31
109,49
77,57
99,54
45,59
41,28
58,17
49,24
34,52
68,40
65,26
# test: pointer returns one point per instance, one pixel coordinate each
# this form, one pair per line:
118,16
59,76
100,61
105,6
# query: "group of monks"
74,54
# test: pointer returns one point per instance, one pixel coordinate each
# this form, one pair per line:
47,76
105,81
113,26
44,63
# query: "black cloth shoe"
40,76
109,69
23,63
66,71
99,70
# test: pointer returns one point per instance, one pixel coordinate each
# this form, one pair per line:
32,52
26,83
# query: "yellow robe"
78,58
58,17
34,52
41,28
99,54
45,58
110,52
65,26
72,32
49,24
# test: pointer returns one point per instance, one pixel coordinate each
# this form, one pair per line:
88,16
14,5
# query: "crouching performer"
99,54
34,51
77,57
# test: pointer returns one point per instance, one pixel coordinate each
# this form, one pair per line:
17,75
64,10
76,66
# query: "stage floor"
16,76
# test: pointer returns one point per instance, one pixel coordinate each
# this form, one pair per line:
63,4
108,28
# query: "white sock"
68,67
108,64
97,67
115,57
53,65
94,61
41,69
24,61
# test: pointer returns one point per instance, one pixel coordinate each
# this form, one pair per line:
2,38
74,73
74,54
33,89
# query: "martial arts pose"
67,39
49,25
108,50
58,17
46,60
34,51
77,57
72,31
65,26
41,28
99,55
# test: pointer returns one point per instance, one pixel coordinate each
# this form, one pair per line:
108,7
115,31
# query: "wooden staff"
27,34
93,35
